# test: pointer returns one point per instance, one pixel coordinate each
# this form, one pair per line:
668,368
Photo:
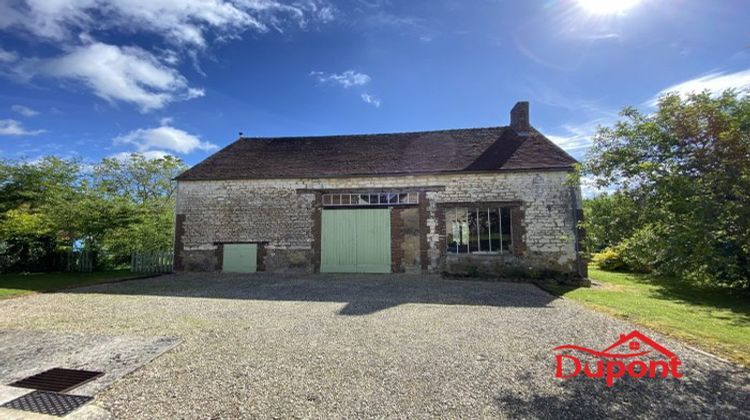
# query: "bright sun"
607,7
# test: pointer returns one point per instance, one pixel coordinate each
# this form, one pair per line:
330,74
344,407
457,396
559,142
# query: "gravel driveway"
366,346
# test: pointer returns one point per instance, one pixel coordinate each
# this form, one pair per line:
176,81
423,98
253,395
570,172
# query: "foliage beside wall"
681,181
112,208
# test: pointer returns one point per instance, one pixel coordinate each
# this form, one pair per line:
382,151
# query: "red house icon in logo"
611,363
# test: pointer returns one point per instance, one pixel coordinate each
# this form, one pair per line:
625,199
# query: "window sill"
479,254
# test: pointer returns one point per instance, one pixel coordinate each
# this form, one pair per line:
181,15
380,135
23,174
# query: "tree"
687,166
47,181
139,179
33,198
610,219
144,191
115,208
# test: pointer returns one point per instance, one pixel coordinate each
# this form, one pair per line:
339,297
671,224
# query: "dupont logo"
633,355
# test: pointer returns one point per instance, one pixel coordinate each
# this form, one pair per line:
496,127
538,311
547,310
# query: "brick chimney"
519,117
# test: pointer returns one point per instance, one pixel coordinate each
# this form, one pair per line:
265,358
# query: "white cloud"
149,155
24,110
7,56
715,83
346,79
371,99
145,76
181,22
15,128
127,74
163,138
577,138
590,189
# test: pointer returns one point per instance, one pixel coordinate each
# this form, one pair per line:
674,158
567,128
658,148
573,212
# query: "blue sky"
96,78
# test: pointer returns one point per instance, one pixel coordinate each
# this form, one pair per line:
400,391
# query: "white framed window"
370,199
478,230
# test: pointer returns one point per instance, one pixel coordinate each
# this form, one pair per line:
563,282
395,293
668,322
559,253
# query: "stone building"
469,201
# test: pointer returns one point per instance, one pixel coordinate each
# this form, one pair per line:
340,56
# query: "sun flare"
607,7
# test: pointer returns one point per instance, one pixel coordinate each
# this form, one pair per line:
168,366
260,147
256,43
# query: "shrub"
610,259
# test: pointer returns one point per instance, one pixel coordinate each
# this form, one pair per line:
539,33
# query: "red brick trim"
317,208
397,238
261,257
374,190
219,257
518,230
443,240
480,204
423,231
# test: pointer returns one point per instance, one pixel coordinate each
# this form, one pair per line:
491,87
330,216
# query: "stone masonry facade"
283,217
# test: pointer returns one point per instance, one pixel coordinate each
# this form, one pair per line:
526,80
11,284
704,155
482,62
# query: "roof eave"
566,168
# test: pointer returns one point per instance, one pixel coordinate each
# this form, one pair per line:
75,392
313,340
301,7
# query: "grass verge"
715,320
14,285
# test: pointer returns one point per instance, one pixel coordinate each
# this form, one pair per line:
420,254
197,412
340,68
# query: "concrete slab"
26,353
87,412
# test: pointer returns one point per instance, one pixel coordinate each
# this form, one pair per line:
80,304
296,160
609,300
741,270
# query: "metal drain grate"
57,379
47,403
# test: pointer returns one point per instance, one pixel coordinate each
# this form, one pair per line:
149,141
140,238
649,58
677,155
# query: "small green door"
240,258
356,241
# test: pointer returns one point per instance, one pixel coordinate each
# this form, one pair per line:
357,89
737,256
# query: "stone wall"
281,214
405,244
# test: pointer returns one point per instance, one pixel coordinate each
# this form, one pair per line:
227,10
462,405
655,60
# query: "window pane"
507,239
494,228
457,230
452,234
374,199
484,231
463,222
473,230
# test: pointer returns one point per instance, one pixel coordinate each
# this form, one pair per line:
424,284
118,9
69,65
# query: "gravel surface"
273,346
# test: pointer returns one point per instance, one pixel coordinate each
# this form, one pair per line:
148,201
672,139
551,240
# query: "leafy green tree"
138,179
609,219
144,189
32,196
115,208
687,166
46,182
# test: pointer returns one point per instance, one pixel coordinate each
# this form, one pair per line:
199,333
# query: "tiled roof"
462,150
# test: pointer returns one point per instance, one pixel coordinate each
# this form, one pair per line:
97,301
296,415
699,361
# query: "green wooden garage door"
240,258
356,241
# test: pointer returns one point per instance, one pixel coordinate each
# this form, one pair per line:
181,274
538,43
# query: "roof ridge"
335,136
414,152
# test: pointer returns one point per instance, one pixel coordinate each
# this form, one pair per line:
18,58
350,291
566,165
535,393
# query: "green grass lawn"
711,319
12,285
